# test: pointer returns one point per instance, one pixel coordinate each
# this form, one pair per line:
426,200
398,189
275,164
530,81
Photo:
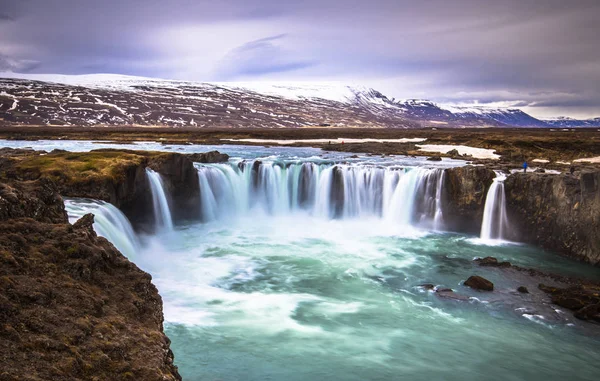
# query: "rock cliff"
115,176
71,306
558,212
463,199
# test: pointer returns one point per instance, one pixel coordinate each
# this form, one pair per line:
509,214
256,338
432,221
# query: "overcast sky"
540,55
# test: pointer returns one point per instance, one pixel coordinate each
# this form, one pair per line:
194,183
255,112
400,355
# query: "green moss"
94,166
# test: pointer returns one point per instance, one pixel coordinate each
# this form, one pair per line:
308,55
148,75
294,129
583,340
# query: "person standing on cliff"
525,167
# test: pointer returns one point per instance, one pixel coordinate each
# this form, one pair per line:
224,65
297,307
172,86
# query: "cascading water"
402,196
109,222
162,212
495,220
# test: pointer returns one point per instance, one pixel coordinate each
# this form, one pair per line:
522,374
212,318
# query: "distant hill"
566,122
101,99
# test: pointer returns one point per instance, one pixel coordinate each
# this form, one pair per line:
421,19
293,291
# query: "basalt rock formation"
558,212
71,306
464,193
181,180
115,176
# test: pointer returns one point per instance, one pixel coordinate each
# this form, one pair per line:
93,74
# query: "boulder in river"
523,290
492,262
479,283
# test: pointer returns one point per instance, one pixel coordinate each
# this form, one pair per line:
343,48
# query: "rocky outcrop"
209,157
32,199
581,296
463,200
557,212
181,180
115,176
71,306
584,300
479,283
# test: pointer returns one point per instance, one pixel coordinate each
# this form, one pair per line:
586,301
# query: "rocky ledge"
558,212
71,306
115,176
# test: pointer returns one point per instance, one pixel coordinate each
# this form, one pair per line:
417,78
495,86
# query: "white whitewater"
398,195
162,212
109,222
495,220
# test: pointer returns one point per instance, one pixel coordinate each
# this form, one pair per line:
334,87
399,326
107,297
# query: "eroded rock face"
464,193
181,179
115,176
71,306
558,212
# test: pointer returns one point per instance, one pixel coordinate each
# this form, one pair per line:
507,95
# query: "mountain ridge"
106,99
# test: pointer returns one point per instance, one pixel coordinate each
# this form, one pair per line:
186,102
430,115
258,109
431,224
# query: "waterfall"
400,195
109,222
162,212
495,221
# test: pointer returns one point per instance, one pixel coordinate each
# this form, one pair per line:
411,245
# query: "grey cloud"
541,52
19,66
258,58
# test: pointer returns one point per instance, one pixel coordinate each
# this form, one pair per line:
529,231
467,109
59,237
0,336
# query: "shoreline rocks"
578,295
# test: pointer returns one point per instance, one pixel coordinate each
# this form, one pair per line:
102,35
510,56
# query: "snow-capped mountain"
103,99
566,122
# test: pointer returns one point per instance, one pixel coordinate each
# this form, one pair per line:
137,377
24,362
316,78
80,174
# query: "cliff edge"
71,306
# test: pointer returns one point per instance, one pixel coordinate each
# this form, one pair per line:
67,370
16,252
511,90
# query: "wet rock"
434,158
427,286
583,299
540,170
337,192
448,293
180,178
453,152
491,262
479,283
209,157
523,290
463,197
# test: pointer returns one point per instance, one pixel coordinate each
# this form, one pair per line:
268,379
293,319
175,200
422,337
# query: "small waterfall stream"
495,221
162,212
109,222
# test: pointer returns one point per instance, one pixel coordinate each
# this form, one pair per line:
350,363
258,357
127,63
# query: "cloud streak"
542,53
